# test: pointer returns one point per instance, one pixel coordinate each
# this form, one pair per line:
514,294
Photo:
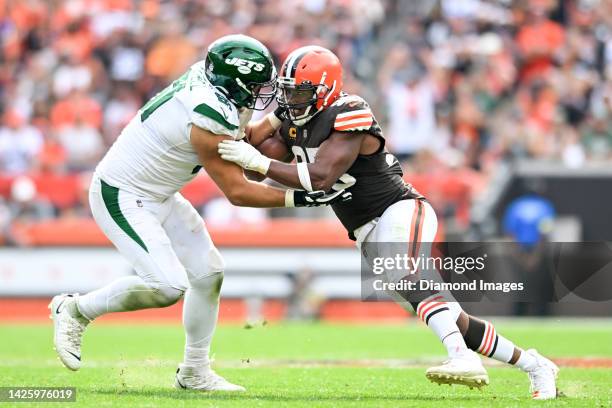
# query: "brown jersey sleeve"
352,114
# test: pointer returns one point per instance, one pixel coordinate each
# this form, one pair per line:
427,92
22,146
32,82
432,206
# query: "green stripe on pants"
110,195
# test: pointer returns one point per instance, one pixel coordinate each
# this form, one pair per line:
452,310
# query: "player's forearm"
284,173
252,194
262,129
309,177
254,176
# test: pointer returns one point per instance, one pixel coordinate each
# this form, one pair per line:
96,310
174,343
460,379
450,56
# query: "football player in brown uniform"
338,144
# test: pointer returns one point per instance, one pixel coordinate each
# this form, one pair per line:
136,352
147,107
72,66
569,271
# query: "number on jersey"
163,96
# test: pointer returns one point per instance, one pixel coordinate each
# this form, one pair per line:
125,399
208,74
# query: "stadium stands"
459,87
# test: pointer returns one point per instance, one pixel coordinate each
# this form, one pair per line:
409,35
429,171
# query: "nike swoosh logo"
74,355
180,383
57,311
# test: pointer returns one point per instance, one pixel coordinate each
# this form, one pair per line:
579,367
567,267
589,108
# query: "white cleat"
68,331
202,379
464,370
543,377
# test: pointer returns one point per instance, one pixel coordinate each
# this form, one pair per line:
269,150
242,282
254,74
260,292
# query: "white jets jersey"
153,156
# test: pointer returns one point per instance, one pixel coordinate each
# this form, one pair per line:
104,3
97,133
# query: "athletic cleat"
202,379
68,331
543,377
465,370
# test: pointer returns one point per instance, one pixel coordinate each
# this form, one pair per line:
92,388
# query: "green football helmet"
242,68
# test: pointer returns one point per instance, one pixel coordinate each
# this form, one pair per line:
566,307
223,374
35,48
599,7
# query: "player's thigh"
407,221
191,240
406,230
132,225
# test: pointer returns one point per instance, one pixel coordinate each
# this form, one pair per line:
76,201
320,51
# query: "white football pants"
413,222
171,251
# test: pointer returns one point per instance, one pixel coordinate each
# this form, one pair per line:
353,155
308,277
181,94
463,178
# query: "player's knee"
209,284
167,295
200,266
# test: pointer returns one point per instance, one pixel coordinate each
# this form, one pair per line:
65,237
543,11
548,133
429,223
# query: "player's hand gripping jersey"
153,156
375,180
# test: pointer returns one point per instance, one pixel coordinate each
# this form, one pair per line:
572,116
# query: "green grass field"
300,365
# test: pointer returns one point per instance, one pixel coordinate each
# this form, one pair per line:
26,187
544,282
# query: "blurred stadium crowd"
458,85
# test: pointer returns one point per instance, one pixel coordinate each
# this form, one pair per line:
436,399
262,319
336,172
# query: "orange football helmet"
310,80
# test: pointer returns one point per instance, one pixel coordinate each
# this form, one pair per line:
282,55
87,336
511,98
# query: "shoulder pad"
349,100
353,114
211,110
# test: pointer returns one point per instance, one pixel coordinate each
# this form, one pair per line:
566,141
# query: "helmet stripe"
297,62
293,61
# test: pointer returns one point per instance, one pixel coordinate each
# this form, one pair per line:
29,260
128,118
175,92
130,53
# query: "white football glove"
244,155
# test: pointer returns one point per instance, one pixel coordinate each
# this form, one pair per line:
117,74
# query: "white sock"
445,327
526,362
200,311
125,294
435,312
504,349
455,345
73,310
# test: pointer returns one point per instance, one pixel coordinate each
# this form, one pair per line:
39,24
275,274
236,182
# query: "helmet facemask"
302,101
252,95
264,94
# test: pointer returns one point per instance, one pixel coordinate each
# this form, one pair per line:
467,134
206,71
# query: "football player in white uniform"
134,199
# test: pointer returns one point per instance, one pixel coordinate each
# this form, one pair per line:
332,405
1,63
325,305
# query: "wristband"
274,121
289,198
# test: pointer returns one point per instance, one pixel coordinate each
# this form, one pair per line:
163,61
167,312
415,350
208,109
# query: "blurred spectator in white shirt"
19,143
410,103
83,144
70,76
118,111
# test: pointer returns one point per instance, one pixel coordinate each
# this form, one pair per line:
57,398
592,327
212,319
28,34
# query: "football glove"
302,198
244,155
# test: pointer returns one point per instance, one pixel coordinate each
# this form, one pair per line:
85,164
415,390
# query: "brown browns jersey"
375,180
